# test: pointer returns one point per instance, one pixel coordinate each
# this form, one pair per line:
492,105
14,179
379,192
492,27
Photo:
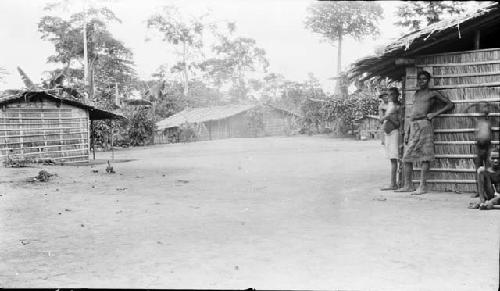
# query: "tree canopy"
334,19
185,35
110,61
234,58
417,14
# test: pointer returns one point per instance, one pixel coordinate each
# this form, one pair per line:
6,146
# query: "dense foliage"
110,62
185,35
346,110
335,19
141,126
418,14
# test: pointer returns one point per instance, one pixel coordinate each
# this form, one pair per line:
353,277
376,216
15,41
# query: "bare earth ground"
280,213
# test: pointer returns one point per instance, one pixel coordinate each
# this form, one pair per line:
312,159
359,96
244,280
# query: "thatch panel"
459,149
467,80
466,69
462,106
455,136
450,163
451,187
464,176
472,93
457,58
455,122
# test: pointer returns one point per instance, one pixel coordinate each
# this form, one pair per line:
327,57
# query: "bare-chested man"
420,138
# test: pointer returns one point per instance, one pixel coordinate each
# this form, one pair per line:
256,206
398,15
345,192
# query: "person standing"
382,108
390,124
419,140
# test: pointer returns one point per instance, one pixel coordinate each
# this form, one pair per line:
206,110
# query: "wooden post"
477,39
112,150
401,135
85,55
339,55
92,142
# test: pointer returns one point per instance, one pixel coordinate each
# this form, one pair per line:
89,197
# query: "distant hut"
226,121
46,125
207,123
463,56
368,127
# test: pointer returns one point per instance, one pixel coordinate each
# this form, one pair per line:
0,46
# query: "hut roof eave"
435,35
94,113
204,114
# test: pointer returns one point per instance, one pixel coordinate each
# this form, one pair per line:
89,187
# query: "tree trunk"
186,77
85,57
339,56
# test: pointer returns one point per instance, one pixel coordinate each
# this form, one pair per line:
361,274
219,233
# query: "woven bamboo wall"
465,78
41,130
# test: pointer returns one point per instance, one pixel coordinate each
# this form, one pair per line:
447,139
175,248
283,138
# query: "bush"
345,110
141,126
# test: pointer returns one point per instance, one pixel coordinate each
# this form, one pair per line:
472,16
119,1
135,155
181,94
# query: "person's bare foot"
405,189
419,191
474,205
388,188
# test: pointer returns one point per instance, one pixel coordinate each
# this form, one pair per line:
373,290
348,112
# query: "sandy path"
272,213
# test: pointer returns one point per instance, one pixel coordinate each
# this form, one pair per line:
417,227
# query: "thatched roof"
198,115
449,35
56,95
285,110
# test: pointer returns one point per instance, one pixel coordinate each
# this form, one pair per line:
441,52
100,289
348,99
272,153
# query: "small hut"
463,57
208,123
46,125
368,127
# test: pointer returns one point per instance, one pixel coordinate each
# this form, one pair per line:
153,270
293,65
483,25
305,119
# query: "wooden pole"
85,55
401,135
92,141
112,150
339,54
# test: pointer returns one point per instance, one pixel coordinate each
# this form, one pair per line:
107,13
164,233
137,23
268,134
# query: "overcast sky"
276,25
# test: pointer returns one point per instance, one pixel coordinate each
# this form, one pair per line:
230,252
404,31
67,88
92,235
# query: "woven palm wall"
43,130
465,78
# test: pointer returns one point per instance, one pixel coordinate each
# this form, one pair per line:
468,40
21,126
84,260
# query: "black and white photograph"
250,144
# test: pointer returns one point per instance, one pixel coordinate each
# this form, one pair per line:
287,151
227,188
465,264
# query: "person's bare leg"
422,189
408,178
394,170
484,185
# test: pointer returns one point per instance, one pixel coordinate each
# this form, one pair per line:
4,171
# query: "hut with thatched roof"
226,121
46,125
463,57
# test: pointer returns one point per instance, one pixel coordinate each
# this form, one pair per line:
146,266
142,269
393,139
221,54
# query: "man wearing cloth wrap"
419,141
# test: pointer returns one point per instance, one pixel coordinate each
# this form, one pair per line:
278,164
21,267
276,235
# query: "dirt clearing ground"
274,213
